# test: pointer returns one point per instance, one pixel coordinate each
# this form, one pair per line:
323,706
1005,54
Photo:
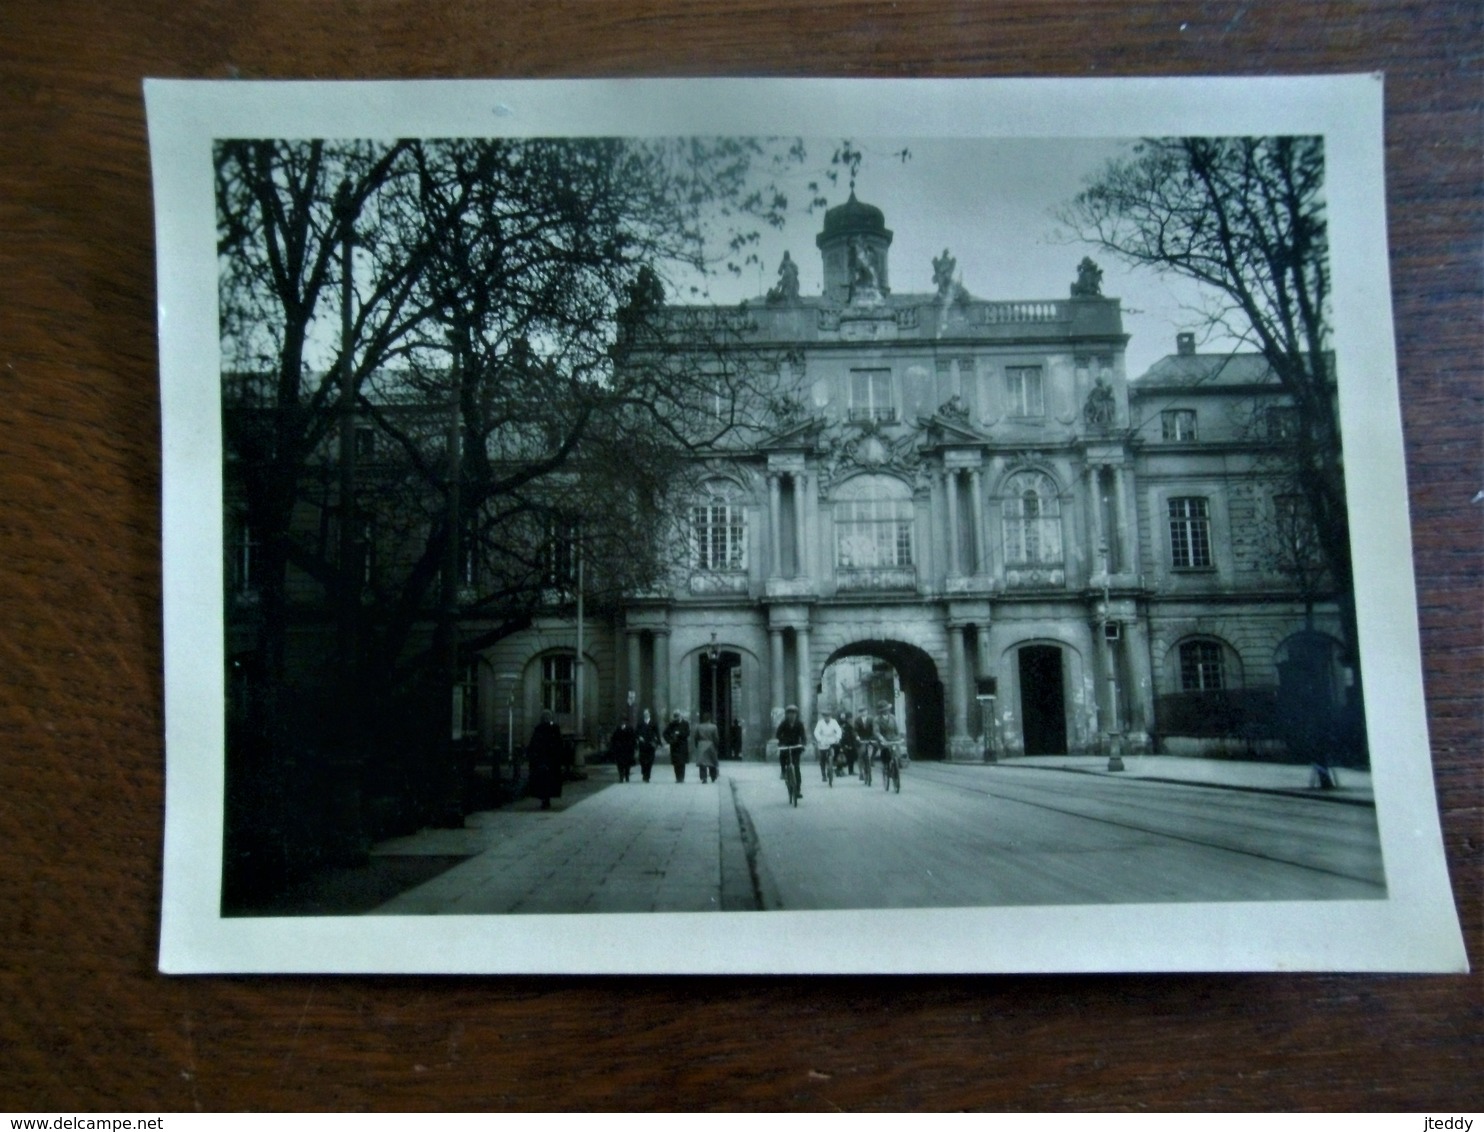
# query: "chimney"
1185,344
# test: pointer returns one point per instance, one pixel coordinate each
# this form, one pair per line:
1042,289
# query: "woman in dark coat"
677,734
623,744
647,735
545,752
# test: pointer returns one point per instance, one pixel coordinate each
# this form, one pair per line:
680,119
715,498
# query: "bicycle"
827,766
891,768
868,753
790,758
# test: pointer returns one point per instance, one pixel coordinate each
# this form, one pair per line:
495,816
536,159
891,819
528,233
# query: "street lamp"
1115,752
511,680
715,692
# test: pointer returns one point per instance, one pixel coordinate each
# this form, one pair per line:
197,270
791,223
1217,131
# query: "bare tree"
449,351
1245,217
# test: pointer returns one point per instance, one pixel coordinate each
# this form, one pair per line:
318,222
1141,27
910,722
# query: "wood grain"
87,1023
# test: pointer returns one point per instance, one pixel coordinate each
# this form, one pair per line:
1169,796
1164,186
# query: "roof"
1210,371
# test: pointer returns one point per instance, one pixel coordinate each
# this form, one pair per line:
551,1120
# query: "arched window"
1032,518
1202,666
719,528
873,523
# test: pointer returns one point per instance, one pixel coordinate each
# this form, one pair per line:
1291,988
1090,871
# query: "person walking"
623,743
677,734
791,738
706,754
849,742
544,753
826,737
647,738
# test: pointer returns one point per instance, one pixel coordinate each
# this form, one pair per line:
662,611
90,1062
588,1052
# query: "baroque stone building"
1051,556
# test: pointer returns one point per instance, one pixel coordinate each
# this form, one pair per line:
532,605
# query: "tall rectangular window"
1024,393
873,532
1190,533
719,531
560,570
558,683
1177,424
466,703
870,395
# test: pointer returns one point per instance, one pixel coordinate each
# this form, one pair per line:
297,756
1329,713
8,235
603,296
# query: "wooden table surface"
86,1023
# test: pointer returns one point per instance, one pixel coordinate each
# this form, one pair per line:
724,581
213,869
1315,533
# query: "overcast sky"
992,203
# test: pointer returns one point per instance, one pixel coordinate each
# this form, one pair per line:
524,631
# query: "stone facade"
1052,556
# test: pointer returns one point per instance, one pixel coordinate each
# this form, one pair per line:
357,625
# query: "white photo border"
1415,928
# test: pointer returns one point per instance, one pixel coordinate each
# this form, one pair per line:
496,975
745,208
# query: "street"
955,836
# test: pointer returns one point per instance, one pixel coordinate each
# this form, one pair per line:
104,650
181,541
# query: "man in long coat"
705,753
624,742
677,734
545,752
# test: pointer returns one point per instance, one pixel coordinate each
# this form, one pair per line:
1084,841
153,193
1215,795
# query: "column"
805,675
662,703
775,508
1095,497
958,692
1141,680
950,485
1128,557
800,542
775,671
981,543
636,676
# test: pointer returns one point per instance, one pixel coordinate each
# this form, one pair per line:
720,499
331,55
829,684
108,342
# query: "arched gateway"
917,678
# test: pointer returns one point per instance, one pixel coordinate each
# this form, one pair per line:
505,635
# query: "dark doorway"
912,670
720,679
1043,711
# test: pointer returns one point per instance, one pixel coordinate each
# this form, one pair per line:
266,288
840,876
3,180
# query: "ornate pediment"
850,447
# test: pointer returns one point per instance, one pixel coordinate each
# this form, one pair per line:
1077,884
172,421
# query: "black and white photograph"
787,526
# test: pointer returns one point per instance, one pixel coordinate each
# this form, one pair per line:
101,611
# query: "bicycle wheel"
866,769
896,776
792,776
829,773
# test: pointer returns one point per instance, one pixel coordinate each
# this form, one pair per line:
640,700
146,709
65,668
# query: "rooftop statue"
1089,283
786,290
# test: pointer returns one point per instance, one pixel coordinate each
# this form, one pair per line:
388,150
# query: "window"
719,534
1032,517
873,523
1277,422
466,703
365,442
558,683
1190,534
870,395
560,568
1201,667
1177,424
1023,392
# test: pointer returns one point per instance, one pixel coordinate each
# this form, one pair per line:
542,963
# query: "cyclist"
865,733
791,738
890,736
826,738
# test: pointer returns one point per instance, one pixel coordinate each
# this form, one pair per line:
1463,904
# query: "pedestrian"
677,734
647,737
849,743
623,743
706,753
544,754
826,736
791,738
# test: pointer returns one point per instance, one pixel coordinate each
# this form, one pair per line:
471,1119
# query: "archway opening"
861,676
720,697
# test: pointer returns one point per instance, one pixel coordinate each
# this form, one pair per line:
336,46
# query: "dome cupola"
853,245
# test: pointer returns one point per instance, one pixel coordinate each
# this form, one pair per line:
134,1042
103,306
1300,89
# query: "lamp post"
509,679
715,690
1115,752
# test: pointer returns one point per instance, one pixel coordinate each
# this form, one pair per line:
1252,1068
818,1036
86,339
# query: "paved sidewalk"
1282,778
609,847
